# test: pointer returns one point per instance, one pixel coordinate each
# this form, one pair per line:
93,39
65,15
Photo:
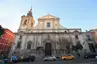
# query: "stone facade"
47,38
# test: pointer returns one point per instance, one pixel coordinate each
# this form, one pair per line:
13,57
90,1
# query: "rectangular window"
48,24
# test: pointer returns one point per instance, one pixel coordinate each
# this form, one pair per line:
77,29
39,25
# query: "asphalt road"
86,61
57,63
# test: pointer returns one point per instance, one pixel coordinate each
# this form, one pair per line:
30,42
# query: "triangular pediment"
47,17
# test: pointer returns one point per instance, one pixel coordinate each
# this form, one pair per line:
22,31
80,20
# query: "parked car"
6,60
1,59
68,57
17,60
29,58
90,55
50,58
1,62
14,59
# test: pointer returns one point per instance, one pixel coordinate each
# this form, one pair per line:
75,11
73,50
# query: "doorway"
48,49
91,46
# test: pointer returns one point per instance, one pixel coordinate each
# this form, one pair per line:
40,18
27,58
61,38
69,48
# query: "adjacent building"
94,34
48,37
6,41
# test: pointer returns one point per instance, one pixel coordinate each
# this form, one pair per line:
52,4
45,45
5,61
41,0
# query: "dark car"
29,58
17,60
6,60
90,55
1,59
14,59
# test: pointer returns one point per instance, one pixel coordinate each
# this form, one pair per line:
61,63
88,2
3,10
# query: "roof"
48,16
95,29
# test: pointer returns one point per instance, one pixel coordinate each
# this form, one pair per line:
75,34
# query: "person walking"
22,57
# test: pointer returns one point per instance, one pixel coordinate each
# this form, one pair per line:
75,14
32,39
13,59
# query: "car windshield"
49,56
67,55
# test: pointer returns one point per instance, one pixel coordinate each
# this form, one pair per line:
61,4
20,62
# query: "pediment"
47,17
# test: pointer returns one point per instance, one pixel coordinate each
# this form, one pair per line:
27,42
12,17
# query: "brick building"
6,41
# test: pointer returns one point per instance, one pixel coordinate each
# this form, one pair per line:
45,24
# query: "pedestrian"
21,58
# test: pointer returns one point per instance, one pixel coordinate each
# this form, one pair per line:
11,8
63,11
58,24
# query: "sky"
72,13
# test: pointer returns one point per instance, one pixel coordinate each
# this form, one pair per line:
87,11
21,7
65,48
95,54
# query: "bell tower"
27,22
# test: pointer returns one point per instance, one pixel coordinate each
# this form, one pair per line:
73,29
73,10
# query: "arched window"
29,45
18,44
31,24
65,31
25,22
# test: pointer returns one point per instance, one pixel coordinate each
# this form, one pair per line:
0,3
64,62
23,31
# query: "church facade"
48,37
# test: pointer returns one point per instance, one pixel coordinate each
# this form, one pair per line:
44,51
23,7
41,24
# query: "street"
86,61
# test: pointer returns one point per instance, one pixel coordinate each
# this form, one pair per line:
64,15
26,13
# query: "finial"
30,12
31,9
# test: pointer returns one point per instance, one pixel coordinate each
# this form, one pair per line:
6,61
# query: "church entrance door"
48,49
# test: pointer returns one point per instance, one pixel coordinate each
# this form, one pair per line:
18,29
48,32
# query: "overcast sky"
72,13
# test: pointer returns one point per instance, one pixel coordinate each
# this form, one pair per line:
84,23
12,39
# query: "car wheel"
29,60
87,58
54,59
64,59
73,59
45,60
32,60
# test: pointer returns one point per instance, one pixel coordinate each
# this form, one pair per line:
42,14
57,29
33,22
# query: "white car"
50,58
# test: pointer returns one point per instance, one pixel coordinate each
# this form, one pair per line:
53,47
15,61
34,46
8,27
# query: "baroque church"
48,37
